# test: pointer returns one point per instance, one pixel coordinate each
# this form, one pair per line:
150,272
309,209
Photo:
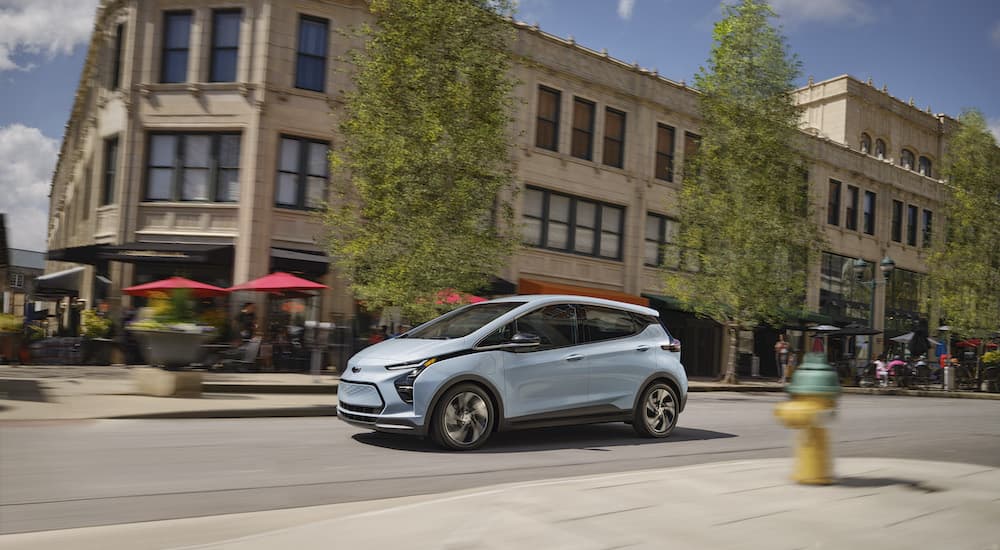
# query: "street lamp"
860,267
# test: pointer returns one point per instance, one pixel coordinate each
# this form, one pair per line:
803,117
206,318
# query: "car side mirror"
523,340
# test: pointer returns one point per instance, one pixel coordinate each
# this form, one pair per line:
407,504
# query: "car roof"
540,299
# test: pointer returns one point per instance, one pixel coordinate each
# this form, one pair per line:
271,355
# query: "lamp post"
885,266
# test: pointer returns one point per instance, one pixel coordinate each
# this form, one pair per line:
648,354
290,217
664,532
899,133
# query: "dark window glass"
866,144
462,322
851,214
225,44
928,226
661,246
176,41
911,225
614,138
116,69
924,167
193,167
547,122
879,149
570,224
897,221
604,323
869,213
310,62
110,166
555,325
664,152
692,143
833,204
906,159
583,129
302,173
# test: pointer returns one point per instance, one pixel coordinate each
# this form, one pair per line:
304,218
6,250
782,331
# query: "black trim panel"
566,417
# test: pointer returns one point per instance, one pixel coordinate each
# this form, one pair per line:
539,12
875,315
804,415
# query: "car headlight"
404,384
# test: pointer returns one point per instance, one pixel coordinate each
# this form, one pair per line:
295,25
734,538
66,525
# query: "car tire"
463,419
656,412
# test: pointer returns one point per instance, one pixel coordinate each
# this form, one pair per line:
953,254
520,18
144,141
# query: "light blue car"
519,362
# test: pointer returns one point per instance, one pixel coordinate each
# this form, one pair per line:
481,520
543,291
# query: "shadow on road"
865,482
593,437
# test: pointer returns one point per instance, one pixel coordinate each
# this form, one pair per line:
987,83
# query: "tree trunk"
730,375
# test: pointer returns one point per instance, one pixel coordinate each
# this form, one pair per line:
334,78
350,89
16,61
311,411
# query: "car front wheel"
656,414
464,418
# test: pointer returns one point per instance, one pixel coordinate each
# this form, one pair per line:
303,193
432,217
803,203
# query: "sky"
944,55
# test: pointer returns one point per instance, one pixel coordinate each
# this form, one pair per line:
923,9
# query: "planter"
10,347
98,351
165,383
172,349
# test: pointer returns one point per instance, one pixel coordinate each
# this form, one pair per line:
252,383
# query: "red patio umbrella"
278,282
454,297
201,290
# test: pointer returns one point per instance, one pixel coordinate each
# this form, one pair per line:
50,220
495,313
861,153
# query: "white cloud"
994,125
852,11
625,9
42,27
28,158
995,34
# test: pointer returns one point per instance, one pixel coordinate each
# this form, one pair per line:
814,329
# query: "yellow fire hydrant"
814,390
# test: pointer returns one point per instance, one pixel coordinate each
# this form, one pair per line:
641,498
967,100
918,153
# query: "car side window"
555,325
605,323
498,336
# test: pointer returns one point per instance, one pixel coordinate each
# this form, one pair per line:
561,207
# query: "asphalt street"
58,474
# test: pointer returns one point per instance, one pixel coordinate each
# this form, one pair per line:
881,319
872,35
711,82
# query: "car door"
619,357
552,376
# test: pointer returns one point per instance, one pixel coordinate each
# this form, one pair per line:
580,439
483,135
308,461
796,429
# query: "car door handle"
574,357
642,348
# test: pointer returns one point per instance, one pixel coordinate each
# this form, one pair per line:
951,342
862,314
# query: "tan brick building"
198,138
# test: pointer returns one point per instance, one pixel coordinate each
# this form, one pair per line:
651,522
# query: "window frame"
302,175
661,240
692,144
851,208
866,143
869,211
299,54
912,220
880,148
907,159
667,157
578,131
164,49
116,64
554,122
833,203
928,228
110,169
214,47
14,278
925,166
618,141
178,166
577,340
896,227
583,328
573,223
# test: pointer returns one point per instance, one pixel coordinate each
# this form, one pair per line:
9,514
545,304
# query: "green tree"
422,201
746,227
965,264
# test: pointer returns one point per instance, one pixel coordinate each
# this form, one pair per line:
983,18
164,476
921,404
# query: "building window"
571,224
225,45
911,225
16,280
664,152
833,204
866,144
879,149
851,214
176,44
110,166
583,129
840,296
924,167
302,173
906,159
692,143
897,221
310,63
614,137
547,119
869,213
193,167
116,68
928,225
661,241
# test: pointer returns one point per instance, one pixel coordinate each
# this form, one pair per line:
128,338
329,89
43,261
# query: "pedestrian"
246,320
881,371
781,356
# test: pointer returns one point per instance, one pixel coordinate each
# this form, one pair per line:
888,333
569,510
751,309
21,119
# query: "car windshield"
462,322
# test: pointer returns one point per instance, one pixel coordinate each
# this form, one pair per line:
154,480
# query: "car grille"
360,409
355,417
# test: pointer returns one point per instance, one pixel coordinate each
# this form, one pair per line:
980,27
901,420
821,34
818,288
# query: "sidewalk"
38,392
877,503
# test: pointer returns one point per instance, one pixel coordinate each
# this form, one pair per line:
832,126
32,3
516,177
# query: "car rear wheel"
656,415
463,419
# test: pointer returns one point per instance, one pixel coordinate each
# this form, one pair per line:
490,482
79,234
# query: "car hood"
403,350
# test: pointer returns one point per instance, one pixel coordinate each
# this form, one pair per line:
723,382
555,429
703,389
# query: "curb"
212,387
283,412
736,388
922,393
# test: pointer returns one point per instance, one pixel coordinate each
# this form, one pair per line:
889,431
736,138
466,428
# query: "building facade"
198,139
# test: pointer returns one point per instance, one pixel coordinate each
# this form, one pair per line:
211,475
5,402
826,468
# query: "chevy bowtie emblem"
355,369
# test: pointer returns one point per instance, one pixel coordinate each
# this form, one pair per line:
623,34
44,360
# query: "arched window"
866,144
906,159
924,167
879,149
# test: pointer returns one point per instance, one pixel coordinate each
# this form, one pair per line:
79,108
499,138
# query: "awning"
219,254
77,254
60,283
533,286
299,261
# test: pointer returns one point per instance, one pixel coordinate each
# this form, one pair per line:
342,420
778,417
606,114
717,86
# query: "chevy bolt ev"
519,362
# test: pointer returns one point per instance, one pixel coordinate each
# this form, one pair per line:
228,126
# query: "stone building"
198,137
